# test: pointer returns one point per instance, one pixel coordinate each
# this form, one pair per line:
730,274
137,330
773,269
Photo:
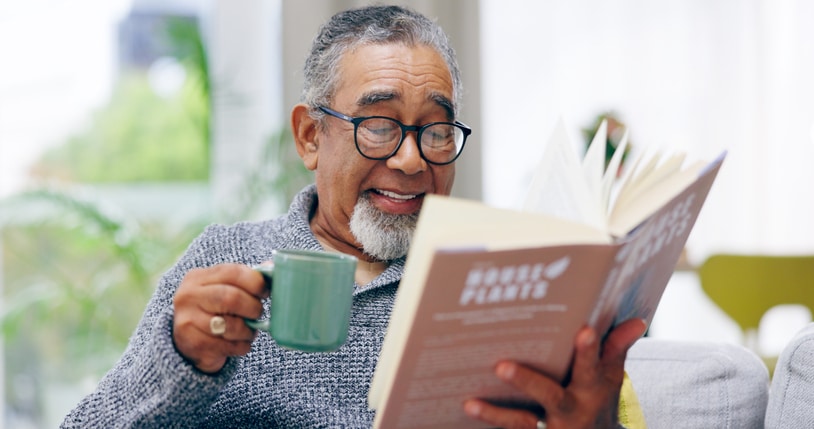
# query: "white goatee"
383,236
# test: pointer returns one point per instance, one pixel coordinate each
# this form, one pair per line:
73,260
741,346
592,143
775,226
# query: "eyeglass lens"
379,137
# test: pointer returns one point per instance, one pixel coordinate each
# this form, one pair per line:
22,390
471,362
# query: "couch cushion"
791,398
698,384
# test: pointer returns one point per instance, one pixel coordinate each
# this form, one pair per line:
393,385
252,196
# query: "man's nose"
408,158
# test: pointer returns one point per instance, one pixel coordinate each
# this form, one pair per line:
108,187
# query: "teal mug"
311,298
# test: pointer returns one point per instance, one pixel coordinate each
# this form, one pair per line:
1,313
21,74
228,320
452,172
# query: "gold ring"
217,325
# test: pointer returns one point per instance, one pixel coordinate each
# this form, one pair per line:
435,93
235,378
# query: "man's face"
410,84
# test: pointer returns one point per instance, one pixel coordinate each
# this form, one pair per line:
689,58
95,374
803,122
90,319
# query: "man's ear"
304,129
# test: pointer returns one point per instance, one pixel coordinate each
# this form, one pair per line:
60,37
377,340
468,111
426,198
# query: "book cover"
483,284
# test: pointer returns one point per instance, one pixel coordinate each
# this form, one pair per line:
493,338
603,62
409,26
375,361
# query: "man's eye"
381,131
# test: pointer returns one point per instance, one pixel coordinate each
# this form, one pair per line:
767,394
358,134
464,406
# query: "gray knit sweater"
153,386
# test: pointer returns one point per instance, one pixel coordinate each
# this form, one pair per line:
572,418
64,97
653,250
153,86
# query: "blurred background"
128,125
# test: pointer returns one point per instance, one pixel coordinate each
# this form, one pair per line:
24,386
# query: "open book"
482,284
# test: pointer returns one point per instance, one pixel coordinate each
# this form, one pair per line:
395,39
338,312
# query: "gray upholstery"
791,402
698,385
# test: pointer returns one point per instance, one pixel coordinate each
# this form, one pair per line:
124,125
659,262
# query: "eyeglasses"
380,137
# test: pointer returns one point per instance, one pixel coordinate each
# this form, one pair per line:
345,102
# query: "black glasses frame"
419,129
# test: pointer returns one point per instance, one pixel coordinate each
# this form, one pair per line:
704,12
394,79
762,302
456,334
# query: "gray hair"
364,26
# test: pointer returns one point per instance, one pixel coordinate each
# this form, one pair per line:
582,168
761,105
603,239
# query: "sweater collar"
299,215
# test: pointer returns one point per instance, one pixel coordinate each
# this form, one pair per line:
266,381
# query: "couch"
719,385
791,397
698,385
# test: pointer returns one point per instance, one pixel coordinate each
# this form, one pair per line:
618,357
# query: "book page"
609,179
593,164
659,168
629,212
642,167
559,187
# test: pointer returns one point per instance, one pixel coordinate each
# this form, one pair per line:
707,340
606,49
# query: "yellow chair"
745,287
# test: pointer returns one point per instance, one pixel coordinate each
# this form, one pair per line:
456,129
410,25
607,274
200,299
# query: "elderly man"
382,89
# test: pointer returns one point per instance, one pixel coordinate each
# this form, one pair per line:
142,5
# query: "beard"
383,236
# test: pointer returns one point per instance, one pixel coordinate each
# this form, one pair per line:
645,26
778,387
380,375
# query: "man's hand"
231,291
589,400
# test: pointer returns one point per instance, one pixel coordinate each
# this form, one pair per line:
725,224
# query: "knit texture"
152,385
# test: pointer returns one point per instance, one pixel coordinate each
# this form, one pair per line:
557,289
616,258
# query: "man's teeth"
396,196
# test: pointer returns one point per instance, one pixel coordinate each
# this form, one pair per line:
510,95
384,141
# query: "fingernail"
472,408
644,327
589,338
505,370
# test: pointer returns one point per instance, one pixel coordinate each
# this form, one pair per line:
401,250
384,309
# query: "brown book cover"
483,284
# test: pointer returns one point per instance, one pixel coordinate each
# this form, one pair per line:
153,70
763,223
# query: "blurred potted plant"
615,133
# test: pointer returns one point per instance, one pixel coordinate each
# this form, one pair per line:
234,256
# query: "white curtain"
692,75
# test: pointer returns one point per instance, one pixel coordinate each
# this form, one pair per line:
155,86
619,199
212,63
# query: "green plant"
77,274
141,135
277,177
615,132
138,136
79,287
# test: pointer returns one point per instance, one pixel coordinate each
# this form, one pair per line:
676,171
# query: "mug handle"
262,324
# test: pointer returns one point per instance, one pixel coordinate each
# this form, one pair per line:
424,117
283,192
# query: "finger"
197,326
501,417
590,365
586,358
239,275
228,300
622,337
544,390
199,349
227,344
236,328
205,351
229,289
266,269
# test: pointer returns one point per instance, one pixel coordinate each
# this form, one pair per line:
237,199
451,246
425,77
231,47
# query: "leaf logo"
556,268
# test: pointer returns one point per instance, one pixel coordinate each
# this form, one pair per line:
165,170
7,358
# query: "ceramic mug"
311,297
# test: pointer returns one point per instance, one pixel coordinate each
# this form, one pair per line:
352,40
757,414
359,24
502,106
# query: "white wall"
245,56
691,75
694,75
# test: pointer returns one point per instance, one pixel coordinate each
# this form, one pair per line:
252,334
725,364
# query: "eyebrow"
444,102
371,98
374,97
